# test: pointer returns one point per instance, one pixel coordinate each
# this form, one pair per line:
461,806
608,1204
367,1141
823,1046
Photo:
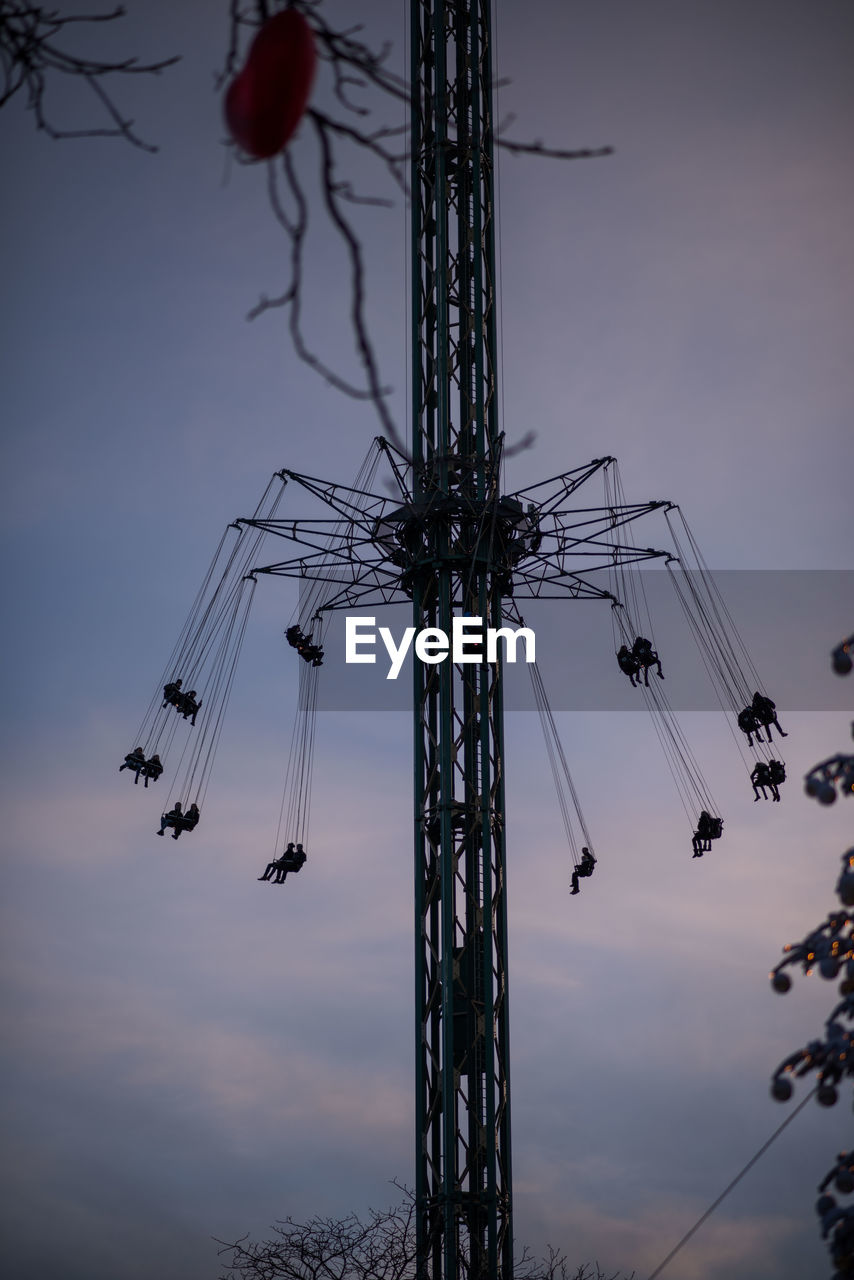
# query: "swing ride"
448,542
371,551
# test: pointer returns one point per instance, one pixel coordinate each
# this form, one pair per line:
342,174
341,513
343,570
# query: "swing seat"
295,862
180,821
312,653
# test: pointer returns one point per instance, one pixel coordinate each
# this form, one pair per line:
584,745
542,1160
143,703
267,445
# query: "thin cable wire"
688,1234
205,780
149,729
684,768
207,631
564,785
762,748
712,612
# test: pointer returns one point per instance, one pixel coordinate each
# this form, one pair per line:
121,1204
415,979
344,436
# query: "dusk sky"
190,1054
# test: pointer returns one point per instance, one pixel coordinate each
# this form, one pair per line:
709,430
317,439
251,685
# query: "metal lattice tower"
463,1177
452,544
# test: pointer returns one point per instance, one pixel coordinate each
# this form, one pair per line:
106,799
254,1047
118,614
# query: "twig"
29,55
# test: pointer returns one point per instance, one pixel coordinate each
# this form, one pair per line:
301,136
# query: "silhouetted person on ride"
312,653
172,818
766,713
172,693
708,829
777,770
761,778
276,864
291,860
134,760
627,663
748,723
188,705
646,657
191,820
584,869
153,769
179,820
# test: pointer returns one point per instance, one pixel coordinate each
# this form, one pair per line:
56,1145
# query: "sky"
189,1055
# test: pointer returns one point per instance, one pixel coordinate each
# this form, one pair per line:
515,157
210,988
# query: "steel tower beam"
463,1176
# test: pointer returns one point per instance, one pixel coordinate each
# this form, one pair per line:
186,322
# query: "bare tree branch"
379,1248
296,229
30,57
550,153
357,312
356,69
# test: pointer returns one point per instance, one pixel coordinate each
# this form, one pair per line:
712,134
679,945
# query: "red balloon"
265,102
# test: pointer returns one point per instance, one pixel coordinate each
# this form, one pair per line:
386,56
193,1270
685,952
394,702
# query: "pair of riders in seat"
293,859
184,702
149,769
767,775
708,829
762,713
639,659
312,653
178,820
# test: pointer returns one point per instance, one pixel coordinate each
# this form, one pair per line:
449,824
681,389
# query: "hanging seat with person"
206,649
149,770
761,778
724,653
770,775
135,761
307,650
296,793
178,820
567,796
645,657
628,664
708,829
583,870
766,713
153,769
185,703
293,859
